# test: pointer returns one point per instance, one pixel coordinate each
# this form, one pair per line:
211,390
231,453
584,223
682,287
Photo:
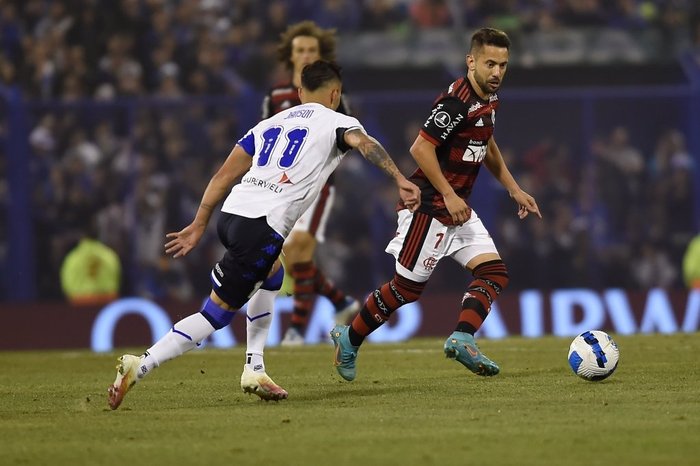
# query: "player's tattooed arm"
373,151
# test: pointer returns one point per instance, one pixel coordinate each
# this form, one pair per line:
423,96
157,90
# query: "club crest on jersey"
430,263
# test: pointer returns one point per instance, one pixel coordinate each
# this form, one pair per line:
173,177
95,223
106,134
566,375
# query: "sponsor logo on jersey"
451,126
442,119
433,112
474,107
474,153
480,122
217,267
274,187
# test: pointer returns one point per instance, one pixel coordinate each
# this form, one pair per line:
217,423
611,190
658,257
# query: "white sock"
184,336
258,320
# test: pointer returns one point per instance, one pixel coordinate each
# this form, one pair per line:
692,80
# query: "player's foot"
345,310
127,375
462,347
262,385
345,352
292,337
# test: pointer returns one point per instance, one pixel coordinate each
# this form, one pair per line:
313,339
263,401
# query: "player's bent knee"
406,290
217,316
494,273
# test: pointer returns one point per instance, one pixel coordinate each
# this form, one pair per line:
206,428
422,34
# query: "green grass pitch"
409,405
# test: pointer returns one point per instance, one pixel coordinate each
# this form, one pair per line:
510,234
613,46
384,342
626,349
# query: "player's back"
293,152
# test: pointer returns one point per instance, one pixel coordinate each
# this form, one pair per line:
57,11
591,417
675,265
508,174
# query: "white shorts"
315,218
421,242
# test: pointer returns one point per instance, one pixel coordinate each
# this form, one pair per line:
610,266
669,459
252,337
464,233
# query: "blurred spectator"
691,264
91,272
428,14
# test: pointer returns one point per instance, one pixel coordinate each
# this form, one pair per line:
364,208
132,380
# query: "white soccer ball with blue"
593,355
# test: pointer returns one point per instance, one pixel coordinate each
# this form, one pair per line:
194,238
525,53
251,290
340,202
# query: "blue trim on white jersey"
247,142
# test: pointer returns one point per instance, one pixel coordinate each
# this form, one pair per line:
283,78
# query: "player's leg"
419,245
309,281
254,378
252,248
182,337
476,252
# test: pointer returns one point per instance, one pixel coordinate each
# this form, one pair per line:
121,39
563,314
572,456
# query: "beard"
486,86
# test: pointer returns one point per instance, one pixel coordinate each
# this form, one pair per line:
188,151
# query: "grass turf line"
409,405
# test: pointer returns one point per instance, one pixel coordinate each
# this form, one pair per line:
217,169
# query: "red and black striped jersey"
285,95
460,125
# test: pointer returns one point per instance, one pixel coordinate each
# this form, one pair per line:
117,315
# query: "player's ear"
471,62
300,91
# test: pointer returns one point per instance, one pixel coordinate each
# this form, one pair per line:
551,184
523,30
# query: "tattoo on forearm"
376,155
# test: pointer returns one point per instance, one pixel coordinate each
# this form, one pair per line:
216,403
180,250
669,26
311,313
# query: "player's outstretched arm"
373,151
497,166
182,242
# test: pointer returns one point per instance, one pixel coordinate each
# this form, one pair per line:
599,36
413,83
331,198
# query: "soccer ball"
593,355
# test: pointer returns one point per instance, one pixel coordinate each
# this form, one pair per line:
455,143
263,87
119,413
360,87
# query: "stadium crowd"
137,168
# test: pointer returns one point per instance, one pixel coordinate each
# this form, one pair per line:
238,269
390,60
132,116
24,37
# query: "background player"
285,162
301,44
450,148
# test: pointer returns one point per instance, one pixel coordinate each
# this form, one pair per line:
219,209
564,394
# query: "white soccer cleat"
292,337
262,385
127,376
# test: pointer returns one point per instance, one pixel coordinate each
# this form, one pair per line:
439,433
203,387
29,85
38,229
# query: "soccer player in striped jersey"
456,139
301,44
283,163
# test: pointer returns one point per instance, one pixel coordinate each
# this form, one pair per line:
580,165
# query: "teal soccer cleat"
462,347
345,352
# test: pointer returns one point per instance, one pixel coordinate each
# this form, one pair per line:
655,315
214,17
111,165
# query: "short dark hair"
318,74
489,36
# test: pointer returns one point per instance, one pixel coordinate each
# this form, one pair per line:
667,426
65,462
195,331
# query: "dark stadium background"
118,111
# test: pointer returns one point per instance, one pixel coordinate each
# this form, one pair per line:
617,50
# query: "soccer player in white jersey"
284,162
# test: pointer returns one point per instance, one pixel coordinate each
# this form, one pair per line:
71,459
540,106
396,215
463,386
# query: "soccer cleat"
292,337
345,352
345,310
127,376
262,385
462,347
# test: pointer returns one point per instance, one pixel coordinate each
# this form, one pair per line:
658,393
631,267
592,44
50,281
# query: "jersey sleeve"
446,116
247,142
346,123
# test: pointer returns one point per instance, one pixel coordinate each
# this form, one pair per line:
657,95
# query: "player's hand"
458,209
409,194
526,204
184,241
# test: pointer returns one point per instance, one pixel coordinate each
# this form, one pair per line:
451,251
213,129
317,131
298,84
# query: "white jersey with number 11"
294,152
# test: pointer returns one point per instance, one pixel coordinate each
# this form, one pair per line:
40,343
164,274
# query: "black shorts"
252,247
